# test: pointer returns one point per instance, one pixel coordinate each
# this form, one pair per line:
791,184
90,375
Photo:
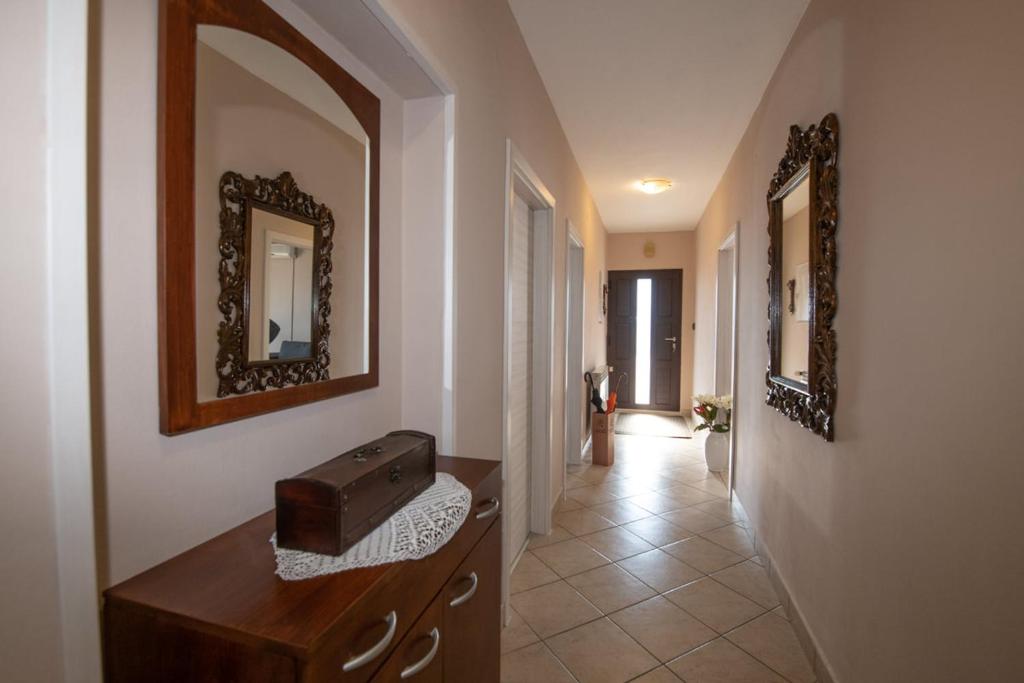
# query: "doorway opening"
574,367
528,357
725,337
645,315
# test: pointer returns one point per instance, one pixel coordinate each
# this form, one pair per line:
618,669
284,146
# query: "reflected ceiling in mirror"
260,113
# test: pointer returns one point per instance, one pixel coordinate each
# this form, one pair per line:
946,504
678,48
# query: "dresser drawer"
472,614
405,593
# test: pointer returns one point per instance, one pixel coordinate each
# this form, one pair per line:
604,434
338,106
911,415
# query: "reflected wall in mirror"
269,217
803,218
795,329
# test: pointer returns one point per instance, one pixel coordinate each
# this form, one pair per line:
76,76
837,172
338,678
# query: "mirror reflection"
261,112
282,298
795,328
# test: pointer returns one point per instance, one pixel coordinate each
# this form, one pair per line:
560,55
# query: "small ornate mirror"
802,220
276,246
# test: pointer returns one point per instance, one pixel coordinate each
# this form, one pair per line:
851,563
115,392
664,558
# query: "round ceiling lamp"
655,185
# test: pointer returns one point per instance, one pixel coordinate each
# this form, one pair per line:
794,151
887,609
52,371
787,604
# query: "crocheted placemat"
419,529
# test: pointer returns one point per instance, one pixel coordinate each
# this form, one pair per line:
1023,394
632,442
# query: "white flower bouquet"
709,408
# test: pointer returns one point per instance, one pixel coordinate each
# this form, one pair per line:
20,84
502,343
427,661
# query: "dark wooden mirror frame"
812,153
180,408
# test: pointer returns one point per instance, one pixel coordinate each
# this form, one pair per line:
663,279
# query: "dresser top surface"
229,582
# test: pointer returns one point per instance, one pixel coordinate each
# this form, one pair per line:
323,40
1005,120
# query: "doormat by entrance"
648,424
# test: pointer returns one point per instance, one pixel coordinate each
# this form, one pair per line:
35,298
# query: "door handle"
674,340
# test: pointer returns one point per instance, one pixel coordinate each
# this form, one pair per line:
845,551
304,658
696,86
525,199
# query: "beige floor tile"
732,537
712,485
610,588
592,495
567,504
597,474
601,652
533,664
691,473
570,557
655,502
557,535
750,580
616,543
665,630
694,520
685,495
771,640
659,675
581,522
723,509
659,570
517,634
625,487
621,511
529,573
654,481
657,531
574,482
553,608
722,662
719,607
702,554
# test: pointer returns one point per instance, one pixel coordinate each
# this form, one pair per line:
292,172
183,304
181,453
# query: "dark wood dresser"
219,613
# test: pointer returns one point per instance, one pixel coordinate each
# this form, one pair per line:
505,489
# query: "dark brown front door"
651,300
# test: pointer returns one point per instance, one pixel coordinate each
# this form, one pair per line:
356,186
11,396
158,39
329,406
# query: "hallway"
650,575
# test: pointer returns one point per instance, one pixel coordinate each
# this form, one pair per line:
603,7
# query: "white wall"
499,95
900,542
30,636
166,494
49,629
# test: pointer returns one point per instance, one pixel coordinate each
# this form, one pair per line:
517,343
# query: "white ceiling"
655,89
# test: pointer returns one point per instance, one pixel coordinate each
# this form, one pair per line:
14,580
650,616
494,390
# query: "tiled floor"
649,575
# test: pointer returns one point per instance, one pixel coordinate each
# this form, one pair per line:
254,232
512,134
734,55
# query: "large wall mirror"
269,217
802,220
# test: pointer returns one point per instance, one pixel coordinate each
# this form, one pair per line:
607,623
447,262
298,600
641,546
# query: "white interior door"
724,332
520,374
574,385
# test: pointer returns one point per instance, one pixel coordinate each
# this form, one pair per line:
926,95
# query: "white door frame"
573,376
730,243
520,178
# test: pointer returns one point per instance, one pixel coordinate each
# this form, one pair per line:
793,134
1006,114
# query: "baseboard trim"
819,662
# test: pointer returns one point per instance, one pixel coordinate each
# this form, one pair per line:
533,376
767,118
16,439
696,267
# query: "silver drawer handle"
464,598
413,669
491,511
374,652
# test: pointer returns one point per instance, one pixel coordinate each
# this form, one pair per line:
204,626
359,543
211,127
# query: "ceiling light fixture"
655,185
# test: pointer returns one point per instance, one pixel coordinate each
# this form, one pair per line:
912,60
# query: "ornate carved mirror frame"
180,408
237,372
811,153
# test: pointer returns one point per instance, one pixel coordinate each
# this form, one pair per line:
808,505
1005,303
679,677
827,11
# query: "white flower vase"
716,451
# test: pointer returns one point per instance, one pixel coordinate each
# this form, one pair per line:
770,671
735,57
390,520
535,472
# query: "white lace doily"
419,529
